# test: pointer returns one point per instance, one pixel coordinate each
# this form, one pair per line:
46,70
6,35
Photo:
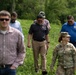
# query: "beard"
12,21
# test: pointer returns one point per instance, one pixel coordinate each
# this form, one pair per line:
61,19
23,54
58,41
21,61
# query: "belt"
40,40
4,66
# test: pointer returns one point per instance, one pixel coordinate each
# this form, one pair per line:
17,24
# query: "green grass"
28,67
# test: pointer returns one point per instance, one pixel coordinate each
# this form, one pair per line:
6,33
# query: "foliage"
59,9
29,9
72,7
56,10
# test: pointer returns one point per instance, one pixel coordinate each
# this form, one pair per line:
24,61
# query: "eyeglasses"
69,21
2,19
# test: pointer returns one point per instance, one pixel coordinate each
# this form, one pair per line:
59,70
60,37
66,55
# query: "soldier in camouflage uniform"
65,53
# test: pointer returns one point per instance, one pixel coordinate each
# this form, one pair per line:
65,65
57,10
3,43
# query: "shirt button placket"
4,47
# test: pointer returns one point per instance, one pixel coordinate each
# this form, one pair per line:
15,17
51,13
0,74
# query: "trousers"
7,71
39,48
65,71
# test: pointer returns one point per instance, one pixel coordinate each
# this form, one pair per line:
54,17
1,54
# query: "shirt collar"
9,30
65,45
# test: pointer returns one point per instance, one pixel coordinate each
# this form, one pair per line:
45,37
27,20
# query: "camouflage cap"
42,13
64,34
40,16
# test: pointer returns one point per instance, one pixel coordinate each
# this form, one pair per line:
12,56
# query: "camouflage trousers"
64,71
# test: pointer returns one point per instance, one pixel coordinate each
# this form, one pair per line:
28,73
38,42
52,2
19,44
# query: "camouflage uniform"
66,59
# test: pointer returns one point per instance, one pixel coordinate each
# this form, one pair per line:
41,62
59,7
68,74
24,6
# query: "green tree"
72,7
5,5
55,9
30,8
25,8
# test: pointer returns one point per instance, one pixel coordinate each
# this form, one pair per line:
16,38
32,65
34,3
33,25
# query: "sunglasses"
70,21
2,19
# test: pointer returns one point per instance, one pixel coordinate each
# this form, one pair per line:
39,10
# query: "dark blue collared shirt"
71,29
39,31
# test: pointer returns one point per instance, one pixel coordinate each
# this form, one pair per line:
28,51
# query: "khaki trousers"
39,48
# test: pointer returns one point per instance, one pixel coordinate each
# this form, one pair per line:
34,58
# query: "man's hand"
29,46
12,67
47,44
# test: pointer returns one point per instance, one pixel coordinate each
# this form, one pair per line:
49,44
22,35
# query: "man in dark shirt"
39,34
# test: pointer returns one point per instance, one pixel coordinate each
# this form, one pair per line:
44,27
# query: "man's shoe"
36,70
44,72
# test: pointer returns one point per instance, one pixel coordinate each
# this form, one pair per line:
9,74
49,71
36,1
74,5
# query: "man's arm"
20,52
48,25
63,28
47,38
20,29
47,41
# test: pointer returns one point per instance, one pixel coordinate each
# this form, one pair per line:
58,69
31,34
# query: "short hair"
14,14
70,17
4,13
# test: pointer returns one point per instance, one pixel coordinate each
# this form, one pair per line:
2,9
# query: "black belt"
4,66
40,40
